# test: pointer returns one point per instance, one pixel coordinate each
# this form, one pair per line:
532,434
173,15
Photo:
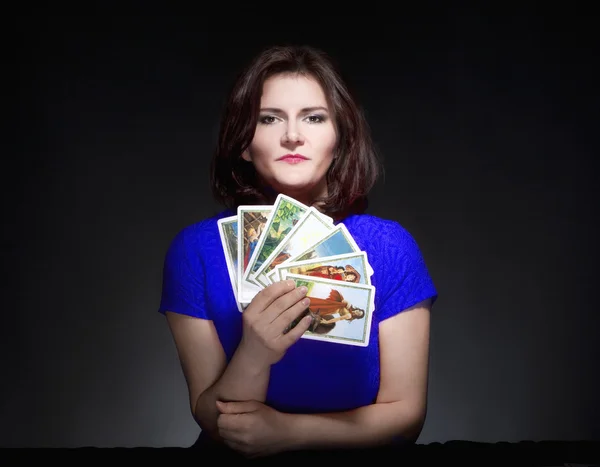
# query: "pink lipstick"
293,158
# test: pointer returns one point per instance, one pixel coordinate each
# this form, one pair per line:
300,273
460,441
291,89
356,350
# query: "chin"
295,191
297,182
292,181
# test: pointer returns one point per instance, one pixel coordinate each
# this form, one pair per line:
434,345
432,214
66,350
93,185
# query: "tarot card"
325,217
228,231
341,311
307,231
337,242
286,212
349,267
251,224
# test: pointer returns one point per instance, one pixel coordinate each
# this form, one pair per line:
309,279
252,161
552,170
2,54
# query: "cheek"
327,145
259,147
328,137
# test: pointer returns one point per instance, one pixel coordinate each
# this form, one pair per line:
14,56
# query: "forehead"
292,91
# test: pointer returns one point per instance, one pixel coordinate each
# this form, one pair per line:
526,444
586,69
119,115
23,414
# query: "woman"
292,126
347,273
323,312
253,236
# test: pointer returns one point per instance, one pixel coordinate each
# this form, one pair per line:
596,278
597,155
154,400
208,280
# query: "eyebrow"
304,110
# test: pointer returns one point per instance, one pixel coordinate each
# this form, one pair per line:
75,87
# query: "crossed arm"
399,411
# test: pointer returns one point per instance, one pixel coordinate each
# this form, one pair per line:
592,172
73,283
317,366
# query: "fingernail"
303,289
306,301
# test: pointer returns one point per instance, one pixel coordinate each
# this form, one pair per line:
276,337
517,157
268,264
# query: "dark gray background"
484,123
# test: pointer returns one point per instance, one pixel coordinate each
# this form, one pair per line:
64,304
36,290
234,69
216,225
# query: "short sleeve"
406,280
183,278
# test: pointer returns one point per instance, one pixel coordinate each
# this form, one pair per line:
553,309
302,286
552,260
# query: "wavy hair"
355,167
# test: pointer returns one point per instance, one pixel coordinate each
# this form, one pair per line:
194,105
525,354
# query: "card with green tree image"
308,230
285,214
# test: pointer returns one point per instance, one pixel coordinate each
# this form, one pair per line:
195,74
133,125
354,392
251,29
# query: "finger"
233,423
239,447
236,407
228,434
221,406
285,303
286,320
296,332
270,294
235,439
226,423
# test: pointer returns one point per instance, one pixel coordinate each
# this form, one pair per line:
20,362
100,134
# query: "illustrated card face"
228,231
286,212
348,267
342,311
308,230
252,221
338,241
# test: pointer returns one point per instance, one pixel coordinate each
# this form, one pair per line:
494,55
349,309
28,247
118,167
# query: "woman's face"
349,277
357,313
295,137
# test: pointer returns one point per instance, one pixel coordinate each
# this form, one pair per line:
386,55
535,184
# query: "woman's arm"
333,320
209,378
207,374
401,405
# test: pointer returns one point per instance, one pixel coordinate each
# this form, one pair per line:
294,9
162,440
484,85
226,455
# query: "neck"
302,196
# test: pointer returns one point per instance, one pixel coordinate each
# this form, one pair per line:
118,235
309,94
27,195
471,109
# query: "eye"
266,119
316,118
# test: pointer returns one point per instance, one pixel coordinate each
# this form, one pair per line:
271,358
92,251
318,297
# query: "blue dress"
313,376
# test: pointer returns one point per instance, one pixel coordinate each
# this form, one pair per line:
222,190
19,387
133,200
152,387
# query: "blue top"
313,376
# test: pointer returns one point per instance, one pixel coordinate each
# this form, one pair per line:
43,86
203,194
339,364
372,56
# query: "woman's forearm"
369,426
243,379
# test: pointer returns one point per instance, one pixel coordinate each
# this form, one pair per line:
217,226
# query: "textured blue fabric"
313,376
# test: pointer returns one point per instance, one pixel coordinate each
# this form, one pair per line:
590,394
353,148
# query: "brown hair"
353,171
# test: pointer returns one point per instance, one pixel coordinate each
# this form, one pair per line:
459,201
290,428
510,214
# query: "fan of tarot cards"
264,244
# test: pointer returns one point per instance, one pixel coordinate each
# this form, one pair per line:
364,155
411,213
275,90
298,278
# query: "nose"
292,136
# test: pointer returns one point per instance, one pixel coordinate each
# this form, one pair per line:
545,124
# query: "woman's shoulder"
393,252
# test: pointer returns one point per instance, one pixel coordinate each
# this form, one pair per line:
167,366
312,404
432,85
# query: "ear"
246,156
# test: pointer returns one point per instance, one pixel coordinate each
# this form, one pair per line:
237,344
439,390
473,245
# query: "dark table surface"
525,453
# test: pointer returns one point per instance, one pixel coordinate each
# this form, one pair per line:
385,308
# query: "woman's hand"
266,322
252,428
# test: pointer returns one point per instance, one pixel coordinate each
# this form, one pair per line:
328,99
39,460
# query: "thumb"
221,406
235,407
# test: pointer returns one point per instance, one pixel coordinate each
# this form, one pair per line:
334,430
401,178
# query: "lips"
293,158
